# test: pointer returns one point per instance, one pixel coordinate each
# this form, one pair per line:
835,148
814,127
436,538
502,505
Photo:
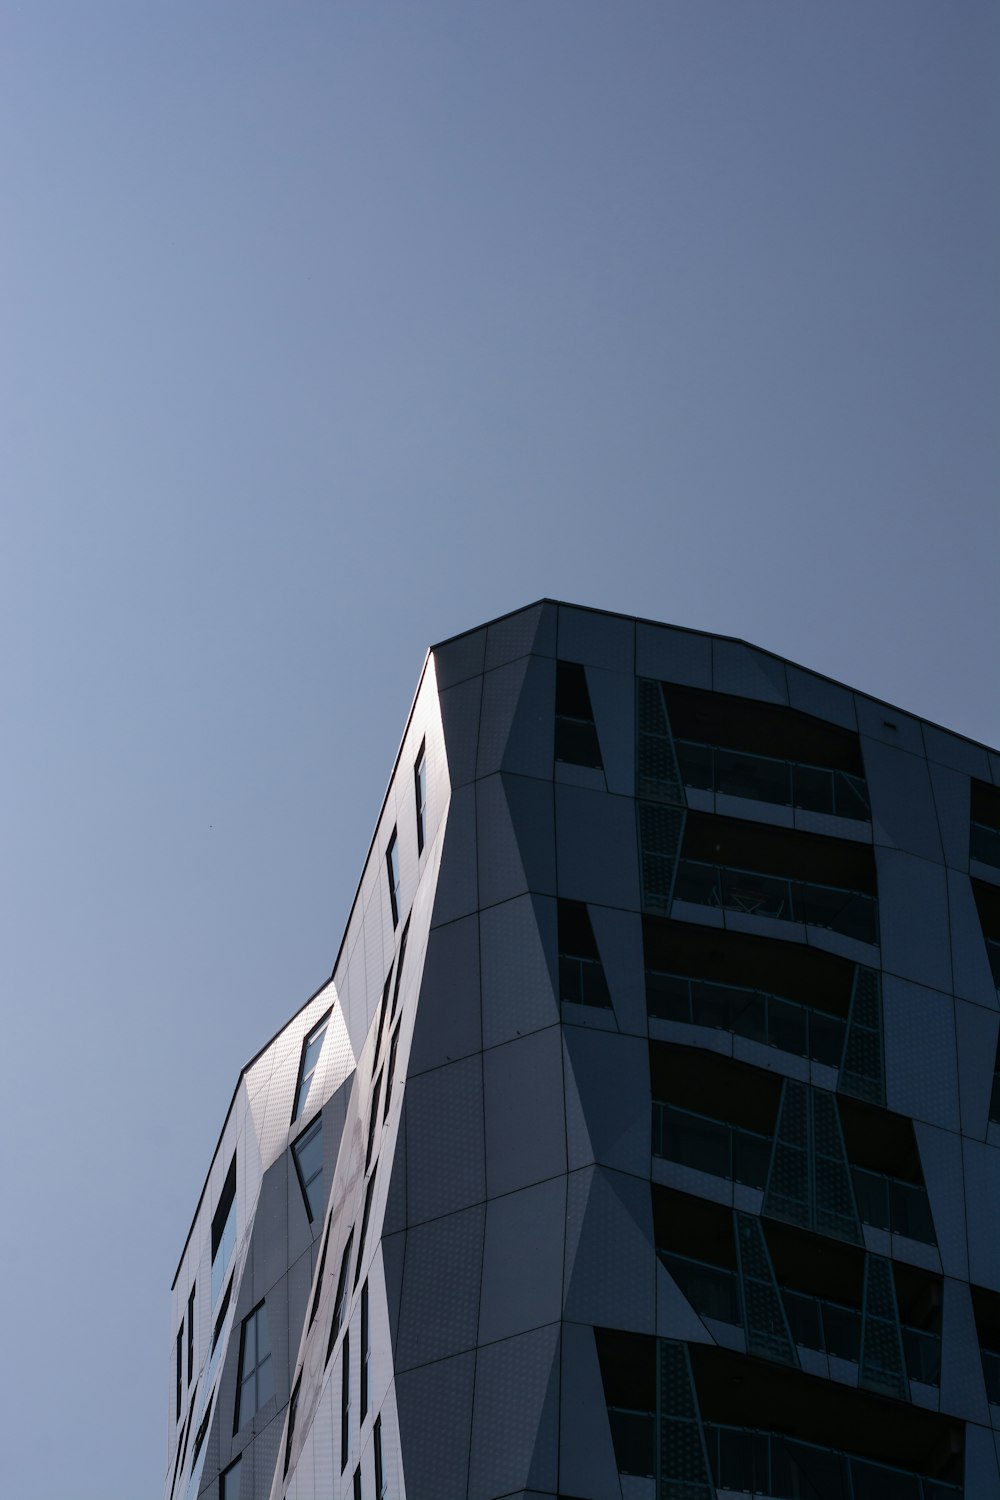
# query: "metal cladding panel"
673,655
522,1285
515,1425
913,918
903,811
518,957
921,1070
596,640
746,672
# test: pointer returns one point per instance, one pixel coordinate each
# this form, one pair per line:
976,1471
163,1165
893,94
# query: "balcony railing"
771,1465
785,783
814,1322
853,913
890,1203
582,981
984,844
756,1014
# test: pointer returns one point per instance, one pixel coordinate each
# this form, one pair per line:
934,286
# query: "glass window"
307,1153
229,1482
379,1469
311,1049
357,1483
373,1120
293,1407
180,1366
256,1380
392,875
576,734
420,795
366,1214
345,1401
366,1353
340,1302
224,1231
581,974
390,1071
190,1335
322,1267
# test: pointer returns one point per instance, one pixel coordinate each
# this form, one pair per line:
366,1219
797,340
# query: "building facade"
644,1143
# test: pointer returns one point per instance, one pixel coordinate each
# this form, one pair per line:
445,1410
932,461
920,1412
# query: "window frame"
393,875
314,1127
241,1417
420,792
304,1080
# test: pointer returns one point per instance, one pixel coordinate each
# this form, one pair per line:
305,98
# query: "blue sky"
330,330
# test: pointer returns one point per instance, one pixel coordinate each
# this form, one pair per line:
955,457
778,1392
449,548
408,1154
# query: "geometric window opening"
862,1069
381,1016
390,1071
307,1153
373,1120
255,1385
220,1318
399,971
984,833
365,1215
883,1366
229,1481
581,973
340,1301
293,1407
224,1231
392,876
180,1367
345,1401
379,1466
366,1354
420,793
576,739
322,1268
190,1351
987,897
995,1093
311,1049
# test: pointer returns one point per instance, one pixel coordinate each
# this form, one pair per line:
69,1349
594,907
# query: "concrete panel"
597,640
523,1261
523,1091
597,847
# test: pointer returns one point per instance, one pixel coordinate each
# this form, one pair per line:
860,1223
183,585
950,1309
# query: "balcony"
756,1014
763,778
753,893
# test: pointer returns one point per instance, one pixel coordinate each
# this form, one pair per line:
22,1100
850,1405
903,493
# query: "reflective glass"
803,1318
876,1482
923,1355
697,1142
786,1025
850,796
223,1254
229,1482
265,1382
634,1439
753,776
577,743
756,894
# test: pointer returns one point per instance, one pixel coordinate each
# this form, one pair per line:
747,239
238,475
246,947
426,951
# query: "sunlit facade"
643,1143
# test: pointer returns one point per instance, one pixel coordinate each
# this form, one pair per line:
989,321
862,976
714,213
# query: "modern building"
644,1143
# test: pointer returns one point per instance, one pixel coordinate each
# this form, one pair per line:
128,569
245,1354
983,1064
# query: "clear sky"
330,330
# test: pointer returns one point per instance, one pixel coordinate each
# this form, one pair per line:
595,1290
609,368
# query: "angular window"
229,1481
190,1335
340,1303
366,1214
221,1316
373,1120
379,1472
256,1381
995,1093
293,1407
390,1071
224,1231
322,1268
345,1401
392,875
984,834
307,1153
366,1353
357,1483
381,1017
581,974
399,973
311,1049
420,794
180,1367
576,733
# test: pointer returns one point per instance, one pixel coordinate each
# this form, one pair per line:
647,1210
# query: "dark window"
221,1315
293,1407
391,1070
256,1379
373,1120
381,1016
581,974
190,1334
311,1049
984,835
420,795
995,1094
229,1481
345,1401
364,1222
201,1435
224,1231
181,1446
366,1353
399,972
377,1445
322,1268
392,876
576,733
357,1483
180,1367
307,1153
340,1304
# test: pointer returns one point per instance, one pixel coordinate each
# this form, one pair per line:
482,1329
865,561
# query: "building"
644,1141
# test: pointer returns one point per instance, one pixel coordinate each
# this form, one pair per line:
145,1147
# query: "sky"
329,330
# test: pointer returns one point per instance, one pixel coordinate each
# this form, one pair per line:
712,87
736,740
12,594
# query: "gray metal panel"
920,1063
457,887
824,700
951,798
597,640
612,698
952,750
619,941
747,673
530,746
941,1159
963,1392
976,1035
448,1020
501,692
903,812
445,1167
982,1191
610,1276
517,941
675,1317
913,918
529,630
436,1470
460,658
516,1421
608,1107
597,847
460,709
587,1465
673,655
523,1261
972,977
888,724
516,842
441,1280
523,1098
982,1476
